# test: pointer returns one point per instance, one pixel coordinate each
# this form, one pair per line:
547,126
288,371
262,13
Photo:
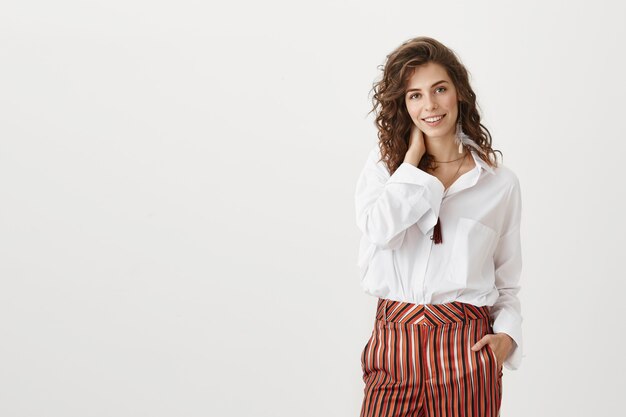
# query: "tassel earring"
462,139
460,136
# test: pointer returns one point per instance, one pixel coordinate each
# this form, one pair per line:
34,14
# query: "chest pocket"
471,263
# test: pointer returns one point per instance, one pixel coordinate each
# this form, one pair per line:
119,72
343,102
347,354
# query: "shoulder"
375,163
374,154
509,184
506,176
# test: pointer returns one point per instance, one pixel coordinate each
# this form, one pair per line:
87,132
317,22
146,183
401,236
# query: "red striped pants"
418,362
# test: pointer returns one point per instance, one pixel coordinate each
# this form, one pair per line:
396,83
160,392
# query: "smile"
434,121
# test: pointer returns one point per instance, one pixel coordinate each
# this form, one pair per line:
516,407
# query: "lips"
435,124
431,117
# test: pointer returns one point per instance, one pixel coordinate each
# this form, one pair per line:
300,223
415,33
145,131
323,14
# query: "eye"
418,94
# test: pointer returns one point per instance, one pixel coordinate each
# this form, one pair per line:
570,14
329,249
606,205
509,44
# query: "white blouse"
479,260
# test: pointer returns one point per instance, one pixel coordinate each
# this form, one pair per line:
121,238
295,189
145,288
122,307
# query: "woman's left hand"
501,344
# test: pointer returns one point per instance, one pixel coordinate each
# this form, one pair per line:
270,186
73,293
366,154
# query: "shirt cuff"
429,202
505,323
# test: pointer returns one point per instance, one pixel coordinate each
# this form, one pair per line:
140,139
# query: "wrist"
506,337
413,156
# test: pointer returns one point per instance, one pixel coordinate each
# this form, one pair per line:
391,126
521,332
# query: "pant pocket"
365,353
495,365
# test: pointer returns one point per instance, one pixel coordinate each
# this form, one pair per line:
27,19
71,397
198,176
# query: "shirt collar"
470,178
480,163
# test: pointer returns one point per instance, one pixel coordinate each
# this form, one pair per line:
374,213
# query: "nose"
430,104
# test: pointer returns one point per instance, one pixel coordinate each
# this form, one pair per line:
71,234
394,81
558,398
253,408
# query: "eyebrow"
419,89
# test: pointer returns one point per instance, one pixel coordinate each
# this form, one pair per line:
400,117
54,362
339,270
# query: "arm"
388,205
506,312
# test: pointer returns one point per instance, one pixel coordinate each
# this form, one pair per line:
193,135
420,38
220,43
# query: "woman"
441,245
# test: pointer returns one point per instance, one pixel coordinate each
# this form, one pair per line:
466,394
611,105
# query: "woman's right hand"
417,147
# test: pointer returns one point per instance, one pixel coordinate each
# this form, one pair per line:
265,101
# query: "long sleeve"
387,205
506,312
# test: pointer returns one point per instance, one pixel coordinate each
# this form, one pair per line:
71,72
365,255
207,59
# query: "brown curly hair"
392,119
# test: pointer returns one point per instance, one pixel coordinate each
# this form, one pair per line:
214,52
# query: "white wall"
177,233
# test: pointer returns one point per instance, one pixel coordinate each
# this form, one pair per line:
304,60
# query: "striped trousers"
418,362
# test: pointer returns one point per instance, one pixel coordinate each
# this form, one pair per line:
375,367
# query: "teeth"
434,119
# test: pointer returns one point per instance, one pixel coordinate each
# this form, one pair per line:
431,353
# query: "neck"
442,148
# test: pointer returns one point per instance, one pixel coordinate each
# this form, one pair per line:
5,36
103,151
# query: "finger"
479,345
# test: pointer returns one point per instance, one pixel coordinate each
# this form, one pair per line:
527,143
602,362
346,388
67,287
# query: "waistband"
429,314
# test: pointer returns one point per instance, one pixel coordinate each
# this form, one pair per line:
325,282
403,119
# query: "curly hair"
392,118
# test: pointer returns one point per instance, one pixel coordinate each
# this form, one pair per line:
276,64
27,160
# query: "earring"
463,140
460,136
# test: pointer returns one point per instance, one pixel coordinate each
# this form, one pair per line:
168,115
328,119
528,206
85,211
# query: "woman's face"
430,92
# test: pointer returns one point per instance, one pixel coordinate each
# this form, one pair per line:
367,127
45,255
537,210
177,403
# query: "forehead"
427,74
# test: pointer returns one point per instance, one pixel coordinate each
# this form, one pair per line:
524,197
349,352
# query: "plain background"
177,228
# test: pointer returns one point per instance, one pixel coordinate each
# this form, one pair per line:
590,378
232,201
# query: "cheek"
450,100
413,110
